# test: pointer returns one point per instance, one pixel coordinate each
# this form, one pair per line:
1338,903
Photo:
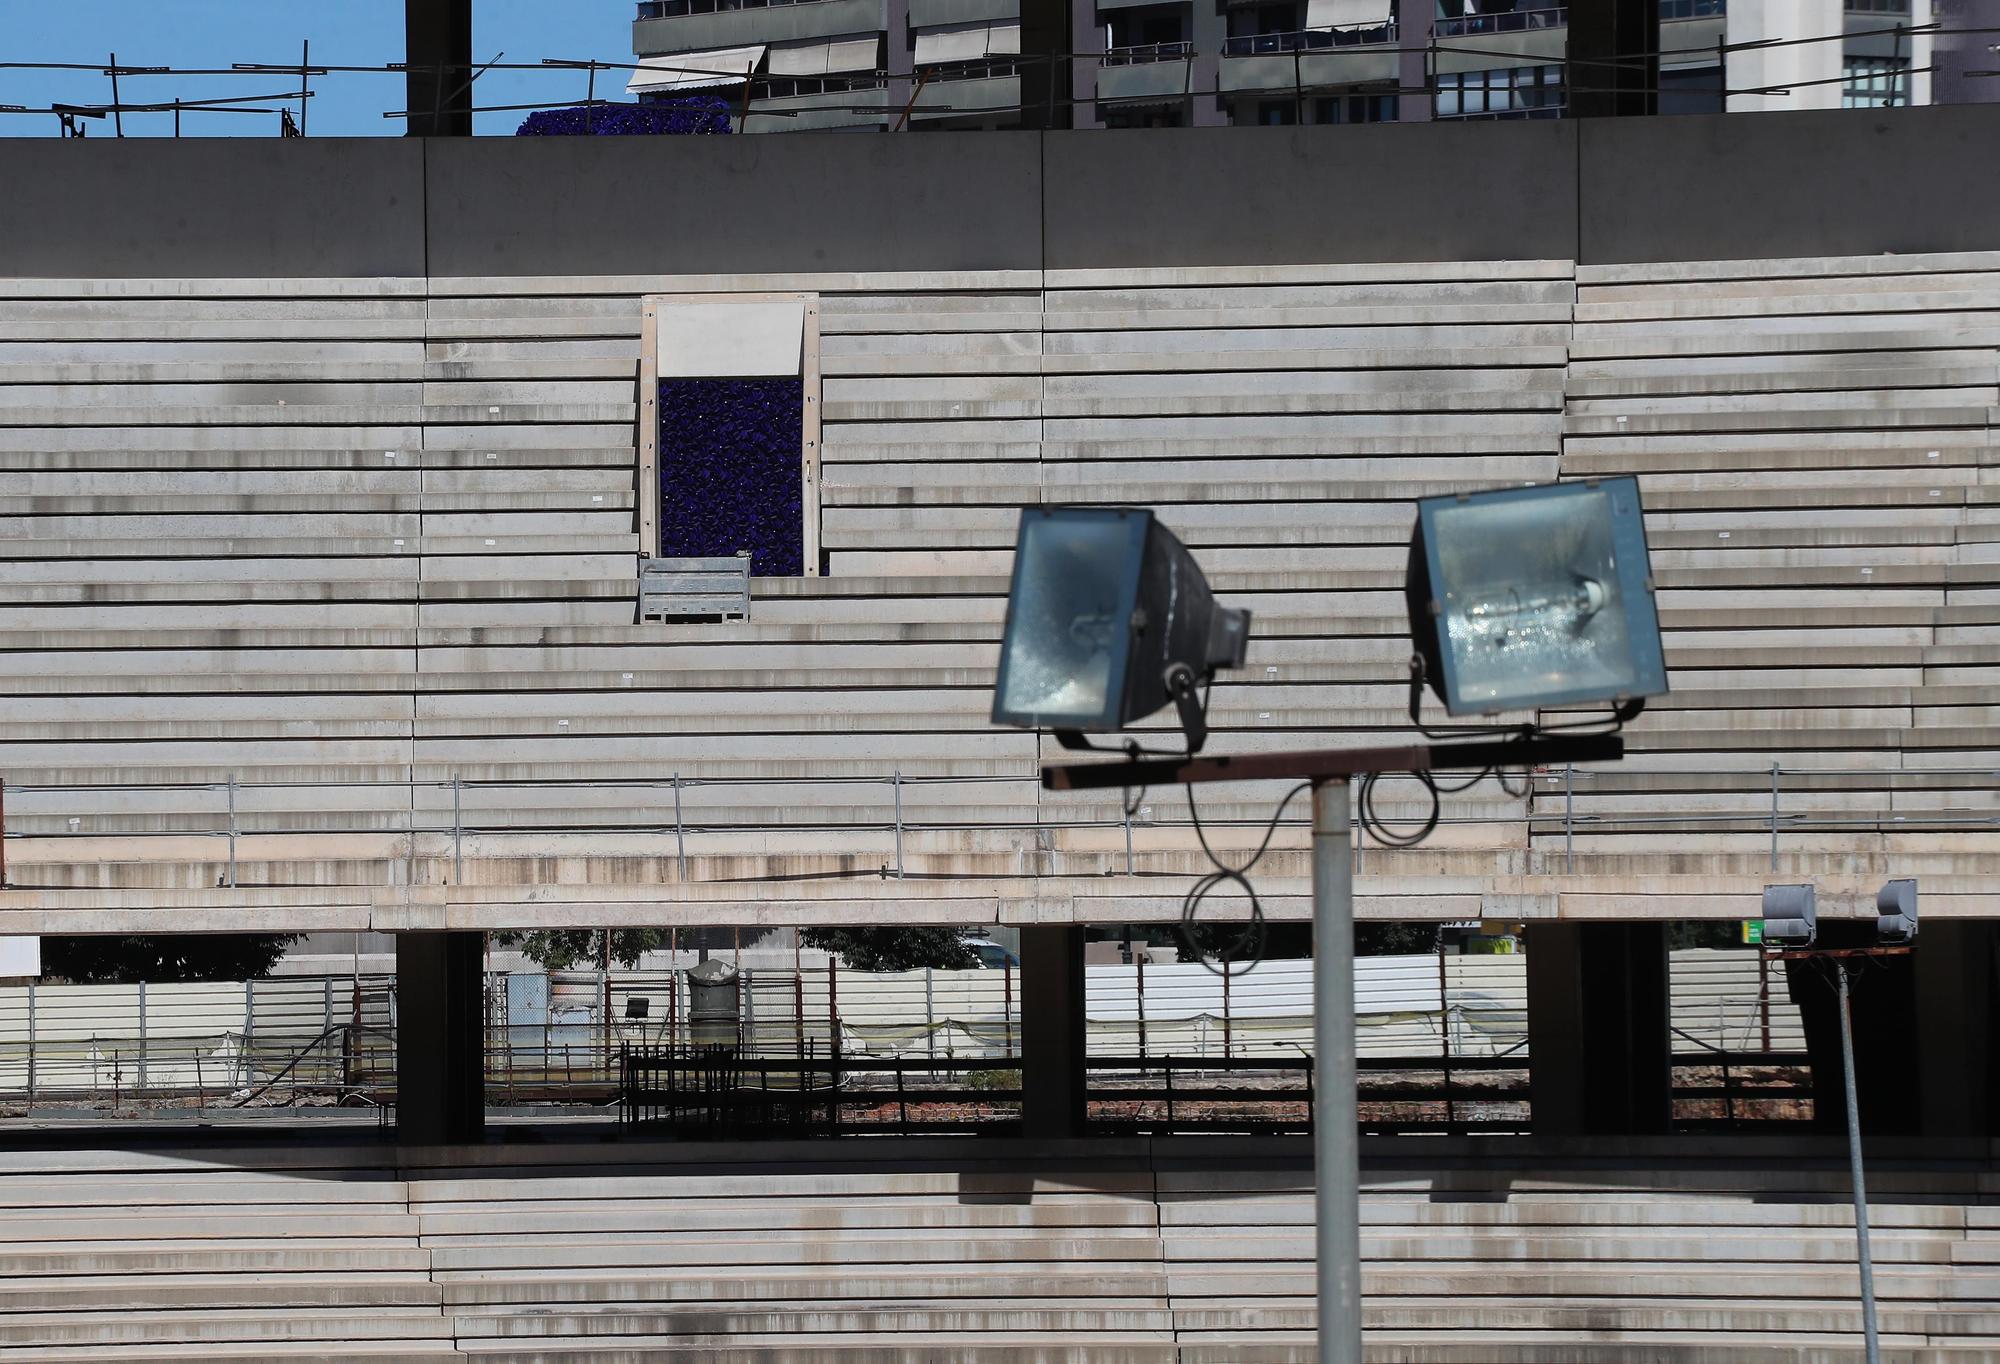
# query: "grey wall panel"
1276,196
1840,182
212,207
617,205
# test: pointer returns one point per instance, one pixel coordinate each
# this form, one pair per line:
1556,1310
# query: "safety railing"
1565,804
1513,21
1141,53
1307,40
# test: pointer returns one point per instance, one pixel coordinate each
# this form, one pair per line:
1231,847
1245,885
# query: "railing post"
1139,965
31,1044
680,834
249,1027
457,831
232,831
1774,816
1126,805
1569,816
142,1037
3,833
898,781
930,1020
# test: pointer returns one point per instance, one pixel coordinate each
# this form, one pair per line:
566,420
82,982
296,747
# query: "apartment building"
916,64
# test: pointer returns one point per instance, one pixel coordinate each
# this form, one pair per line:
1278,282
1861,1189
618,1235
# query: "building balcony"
708,24
1151,71
1514,21
1309,59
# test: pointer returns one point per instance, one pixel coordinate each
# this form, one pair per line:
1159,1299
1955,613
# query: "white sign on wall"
20,957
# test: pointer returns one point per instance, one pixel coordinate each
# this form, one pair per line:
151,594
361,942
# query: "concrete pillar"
1413,74
1956,1052
1045,64
1086,42
440,1039
1887,1066
1208,29
1052,1032
437,44
901,61
1600,1056
1614,58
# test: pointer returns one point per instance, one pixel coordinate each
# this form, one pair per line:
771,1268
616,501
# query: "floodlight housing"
1896,912
1791,916
1109,619
1542,596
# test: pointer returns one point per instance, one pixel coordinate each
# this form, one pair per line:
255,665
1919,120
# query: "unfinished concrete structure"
323,517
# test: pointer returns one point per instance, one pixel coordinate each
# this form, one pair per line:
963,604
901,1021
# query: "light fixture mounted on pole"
1520,598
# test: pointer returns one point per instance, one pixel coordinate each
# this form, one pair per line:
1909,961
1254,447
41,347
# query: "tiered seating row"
1150,1254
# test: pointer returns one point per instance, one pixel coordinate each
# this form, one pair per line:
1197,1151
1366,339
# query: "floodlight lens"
1068,633
1532,601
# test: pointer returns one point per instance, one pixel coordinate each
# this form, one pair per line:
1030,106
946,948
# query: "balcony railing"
1147,52
1515,21
1307,40
984,68
676,9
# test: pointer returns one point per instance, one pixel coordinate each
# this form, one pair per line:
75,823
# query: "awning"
695,70
826,58
967,42
731,340
1347,13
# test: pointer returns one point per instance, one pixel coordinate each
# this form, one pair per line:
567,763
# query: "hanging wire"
1248,946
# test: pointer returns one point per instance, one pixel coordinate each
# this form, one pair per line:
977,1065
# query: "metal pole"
31,1044
457,831
1774,816
1873,1341
1139,966
3,833
142,1037
1569,817
899,825
1336,1144
1128,843
232,830
680,836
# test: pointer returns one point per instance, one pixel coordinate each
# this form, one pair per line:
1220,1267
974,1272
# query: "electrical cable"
1249,944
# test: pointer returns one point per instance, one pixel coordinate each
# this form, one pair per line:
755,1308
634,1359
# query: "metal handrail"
1514,21
1140,53
1308,40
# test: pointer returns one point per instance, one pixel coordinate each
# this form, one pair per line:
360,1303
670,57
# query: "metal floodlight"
1108,620
1896,912
1528,597
1791,916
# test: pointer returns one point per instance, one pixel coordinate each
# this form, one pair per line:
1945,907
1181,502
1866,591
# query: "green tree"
559,949
176,957
894,949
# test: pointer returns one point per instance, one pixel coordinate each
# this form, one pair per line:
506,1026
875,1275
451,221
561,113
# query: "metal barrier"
1776,800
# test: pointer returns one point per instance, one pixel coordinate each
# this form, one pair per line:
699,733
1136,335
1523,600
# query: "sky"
217,33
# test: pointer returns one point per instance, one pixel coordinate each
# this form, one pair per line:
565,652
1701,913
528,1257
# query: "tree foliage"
894,949
559,949
176,957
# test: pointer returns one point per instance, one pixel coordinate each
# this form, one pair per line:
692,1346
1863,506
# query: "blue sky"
216,33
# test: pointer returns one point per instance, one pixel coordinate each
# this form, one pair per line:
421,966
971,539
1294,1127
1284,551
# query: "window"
1510,92
729,430
1277,113
1359,108
1875,82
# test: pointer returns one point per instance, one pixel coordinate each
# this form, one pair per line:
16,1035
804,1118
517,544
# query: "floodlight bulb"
1536,616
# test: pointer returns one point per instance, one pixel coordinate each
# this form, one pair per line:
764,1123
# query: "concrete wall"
1687,188
348,537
